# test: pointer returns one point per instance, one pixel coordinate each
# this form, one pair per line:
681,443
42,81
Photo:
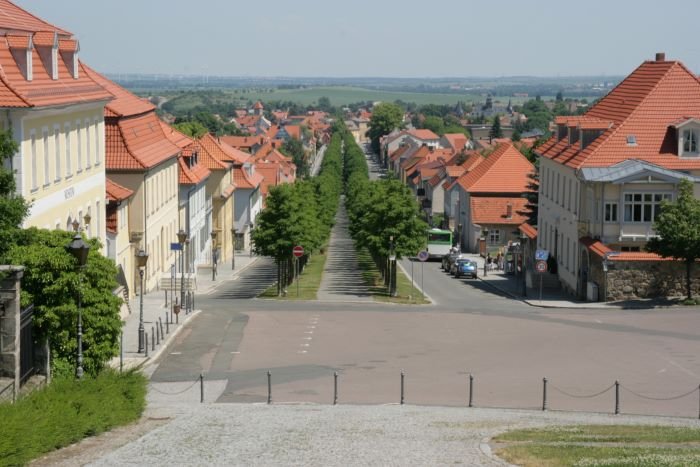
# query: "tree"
560,96
13,208
51,282
385,118
324,104
496,131
678,230
192,129
434,124
295,149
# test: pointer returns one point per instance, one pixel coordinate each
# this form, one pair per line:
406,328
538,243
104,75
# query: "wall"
642,279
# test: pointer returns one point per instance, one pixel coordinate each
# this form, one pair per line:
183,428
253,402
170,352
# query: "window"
610,212
98,140
644,207
34,156
57,150
45,155
690,141
630,248
67,141
494,236
79,145
88,155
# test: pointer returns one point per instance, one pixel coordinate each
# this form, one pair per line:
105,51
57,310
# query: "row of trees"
52,281
384,215
301,213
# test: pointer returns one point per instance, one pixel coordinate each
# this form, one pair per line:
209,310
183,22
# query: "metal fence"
26,344
614,392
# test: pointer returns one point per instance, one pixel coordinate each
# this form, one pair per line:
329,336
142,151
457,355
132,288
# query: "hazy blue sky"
409,38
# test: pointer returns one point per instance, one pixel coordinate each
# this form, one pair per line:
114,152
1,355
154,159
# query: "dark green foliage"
496,131
434,124
13,208
385,118
51,280
295,149
192,129
67,411
213,124
678,230
380,209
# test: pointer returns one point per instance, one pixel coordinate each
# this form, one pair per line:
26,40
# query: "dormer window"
690,141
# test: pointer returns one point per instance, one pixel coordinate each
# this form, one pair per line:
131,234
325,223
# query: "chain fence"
546,384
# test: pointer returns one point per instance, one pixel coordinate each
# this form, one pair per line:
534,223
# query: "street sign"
541,255
423,255
298,251
541,266
175,247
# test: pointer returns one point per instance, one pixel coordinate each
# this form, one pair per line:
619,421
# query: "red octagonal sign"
298,251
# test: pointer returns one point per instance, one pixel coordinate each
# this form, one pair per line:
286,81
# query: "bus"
439,242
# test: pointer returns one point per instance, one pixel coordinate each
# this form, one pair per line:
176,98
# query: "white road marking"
598,321
308,332
311,327
306,345
175,353
308,338
235,352
301,351
663,370
685,370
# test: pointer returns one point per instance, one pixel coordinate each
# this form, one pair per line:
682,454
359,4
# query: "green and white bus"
439,242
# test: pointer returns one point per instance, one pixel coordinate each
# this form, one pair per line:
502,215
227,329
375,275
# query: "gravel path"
254,434
342,279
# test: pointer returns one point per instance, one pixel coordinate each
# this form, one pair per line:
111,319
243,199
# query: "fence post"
160,322
544,394
471,389
157,333
617,397
335,388
153,339
167,323
201,388
269,387
402,380
145,347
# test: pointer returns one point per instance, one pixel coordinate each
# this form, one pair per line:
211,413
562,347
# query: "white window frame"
57,151
98,142
79,144
690,141
35,160
88,146
67,144
494,236
611,211
650,200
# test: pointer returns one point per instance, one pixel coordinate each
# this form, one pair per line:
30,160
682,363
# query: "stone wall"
642,279
10,322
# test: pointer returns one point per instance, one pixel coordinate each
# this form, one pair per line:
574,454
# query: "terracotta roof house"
140,157
604,175
55,111
495,185
394,140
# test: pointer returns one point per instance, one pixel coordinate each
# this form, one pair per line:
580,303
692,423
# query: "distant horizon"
314,38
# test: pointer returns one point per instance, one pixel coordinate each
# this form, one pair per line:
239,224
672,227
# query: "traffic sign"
175,247
298,251
423,255
541,255
541,266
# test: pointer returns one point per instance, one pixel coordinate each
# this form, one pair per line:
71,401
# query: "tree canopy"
678,230
385,118
13,207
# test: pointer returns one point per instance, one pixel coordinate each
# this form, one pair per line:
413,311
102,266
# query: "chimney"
509,211
660,57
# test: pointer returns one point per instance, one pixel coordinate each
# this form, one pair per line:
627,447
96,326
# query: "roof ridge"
618,128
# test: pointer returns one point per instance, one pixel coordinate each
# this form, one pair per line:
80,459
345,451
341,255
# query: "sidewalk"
512,285
157,316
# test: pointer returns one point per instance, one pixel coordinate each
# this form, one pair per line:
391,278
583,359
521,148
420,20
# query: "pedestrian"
489,261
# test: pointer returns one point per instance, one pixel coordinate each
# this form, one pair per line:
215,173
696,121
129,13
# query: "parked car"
449,259
465,267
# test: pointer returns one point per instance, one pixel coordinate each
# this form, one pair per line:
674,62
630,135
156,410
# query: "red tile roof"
528,230
14,18
125,103
494,210
643,105
242,142
504,171
191,175
179,139
243,180
472,161
600,249
258,106
210,155
136,143
116,192
423,134
457,141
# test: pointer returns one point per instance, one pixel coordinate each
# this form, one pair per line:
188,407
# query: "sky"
378,38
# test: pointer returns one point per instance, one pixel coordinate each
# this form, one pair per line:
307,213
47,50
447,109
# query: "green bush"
67,411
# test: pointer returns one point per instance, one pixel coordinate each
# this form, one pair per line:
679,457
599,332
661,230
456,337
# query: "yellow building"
54,111
142,159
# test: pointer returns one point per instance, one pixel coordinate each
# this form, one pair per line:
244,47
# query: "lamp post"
181,238
392,267
141,261
523,239
87,218
79,249
486,250
190,268
76,225
213,255
233,242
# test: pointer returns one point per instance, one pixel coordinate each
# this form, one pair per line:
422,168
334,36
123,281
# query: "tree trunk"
279,278
688,266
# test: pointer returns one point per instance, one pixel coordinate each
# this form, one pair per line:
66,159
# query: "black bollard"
544,394
471,389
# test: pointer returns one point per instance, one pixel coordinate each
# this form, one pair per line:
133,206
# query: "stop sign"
298,251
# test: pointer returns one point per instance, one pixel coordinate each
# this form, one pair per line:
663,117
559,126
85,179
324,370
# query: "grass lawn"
373,277
601,445
67,411
309,281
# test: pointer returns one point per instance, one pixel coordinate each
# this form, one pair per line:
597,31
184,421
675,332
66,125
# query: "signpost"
298,252
423,257
541,268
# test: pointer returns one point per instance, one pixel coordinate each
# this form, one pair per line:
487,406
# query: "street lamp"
392,266
75,224
181,238
87,218
233,242
141,261
523,239
79,249
213,255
